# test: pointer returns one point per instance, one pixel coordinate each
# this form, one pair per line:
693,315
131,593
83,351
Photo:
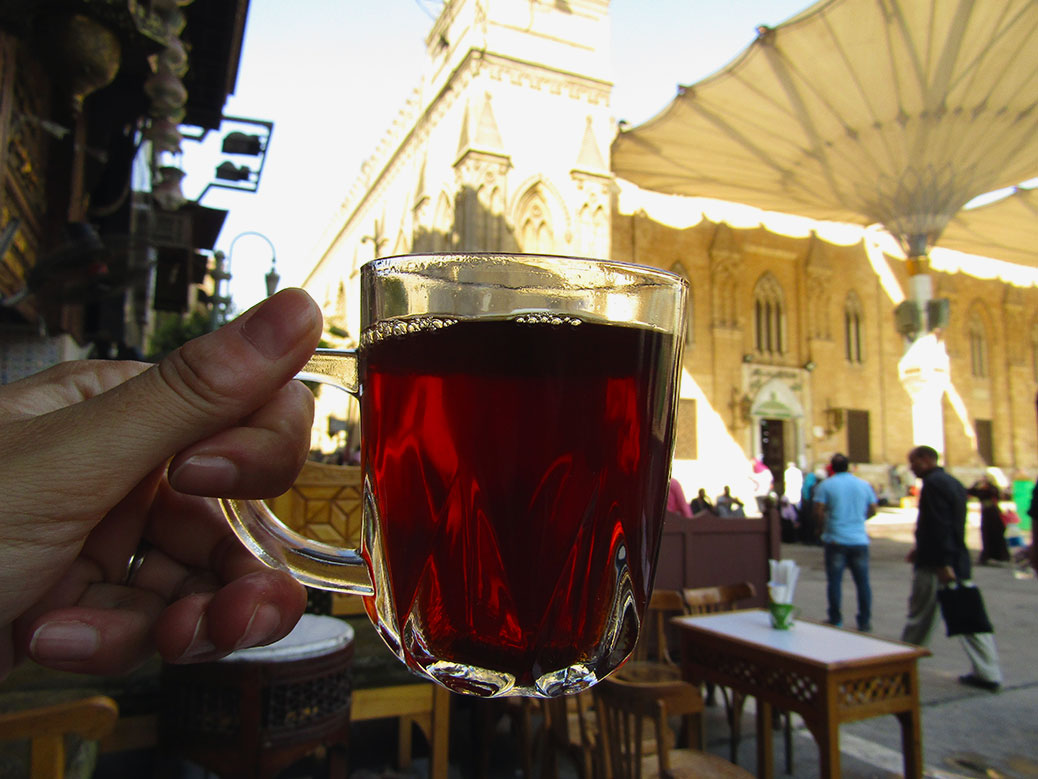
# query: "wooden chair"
325,503
624,711
711,600
571,727
519,713
651,660
45,729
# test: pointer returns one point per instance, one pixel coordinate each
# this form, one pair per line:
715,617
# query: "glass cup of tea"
517,429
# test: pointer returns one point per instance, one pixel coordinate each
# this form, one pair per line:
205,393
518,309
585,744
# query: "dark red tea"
519,470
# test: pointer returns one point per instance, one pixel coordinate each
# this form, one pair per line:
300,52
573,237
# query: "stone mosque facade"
791,352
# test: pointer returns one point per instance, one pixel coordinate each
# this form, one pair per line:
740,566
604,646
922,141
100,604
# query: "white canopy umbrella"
1006,229
890,112
896,112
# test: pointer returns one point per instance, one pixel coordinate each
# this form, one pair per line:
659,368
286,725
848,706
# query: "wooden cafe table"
826,675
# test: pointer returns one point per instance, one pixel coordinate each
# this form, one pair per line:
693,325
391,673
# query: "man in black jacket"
940,556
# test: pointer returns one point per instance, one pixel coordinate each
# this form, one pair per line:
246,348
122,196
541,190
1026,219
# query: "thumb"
207,385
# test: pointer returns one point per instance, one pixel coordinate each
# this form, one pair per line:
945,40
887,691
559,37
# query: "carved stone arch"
769,316
726,260
593,230
977,309
443,224
852,301
490,207
776,400
853,327
768,286
540,218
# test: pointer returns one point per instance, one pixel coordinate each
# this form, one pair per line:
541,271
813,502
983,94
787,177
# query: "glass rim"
644,271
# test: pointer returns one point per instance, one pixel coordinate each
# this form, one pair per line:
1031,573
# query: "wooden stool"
259,710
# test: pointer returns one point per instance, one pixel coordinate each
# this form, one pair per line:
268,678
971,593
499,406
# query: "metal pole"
272,277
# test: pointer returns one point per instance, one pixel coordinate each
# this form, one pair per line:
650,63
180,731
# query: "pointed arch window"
854,329
534,228
491,207
594,231
769,315
978,341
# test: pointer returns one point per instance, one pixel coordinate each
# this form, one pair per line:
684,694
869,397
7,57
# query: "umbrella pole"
924,367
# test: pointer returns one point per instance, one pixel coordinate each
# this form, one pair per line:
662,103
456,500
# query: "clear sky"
332,75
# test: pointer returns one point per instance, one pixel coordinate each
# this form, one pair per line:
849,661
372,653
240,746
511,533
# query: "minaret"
531,81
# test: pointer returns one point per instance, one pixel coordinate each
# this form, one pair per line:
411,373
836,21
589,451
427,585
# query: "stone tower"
502,146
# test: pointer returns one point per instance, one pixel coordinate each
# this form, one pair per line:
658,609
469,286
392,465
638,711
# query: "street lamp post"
222,275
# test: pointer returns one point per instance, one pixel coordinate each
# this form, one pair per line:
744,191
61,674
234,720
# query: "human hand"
99,455
910,557
946,574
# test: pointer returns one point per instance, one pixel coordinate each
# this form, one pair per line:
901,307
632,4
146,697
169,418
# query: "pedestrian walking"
940,557
843,503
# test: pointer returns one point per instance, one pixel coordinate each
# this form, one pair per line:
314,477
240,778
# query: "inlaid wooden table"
827,675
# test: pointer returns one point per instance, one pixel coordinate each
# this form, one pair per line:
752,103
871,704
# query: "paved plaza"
966,732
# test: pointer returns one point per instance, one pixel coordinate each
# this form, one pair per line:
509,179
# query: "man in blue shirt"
842,504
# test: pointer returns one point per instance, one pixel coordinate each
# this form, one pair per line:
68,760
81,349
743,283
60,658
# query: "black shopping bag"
963,610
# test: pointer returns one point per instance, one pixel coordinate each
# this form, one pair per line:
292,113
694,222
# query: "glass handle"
313,563
337,367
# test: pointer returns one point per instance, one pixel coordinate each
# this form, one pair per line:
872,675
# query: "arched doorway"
778,419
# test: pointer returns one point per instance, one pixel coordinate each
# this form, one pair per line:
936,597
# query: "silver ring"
133,565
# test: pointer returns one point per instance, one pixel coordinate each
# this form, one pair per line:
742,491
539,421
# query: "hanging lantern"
168,192
83,54
173,58
167,92
164,135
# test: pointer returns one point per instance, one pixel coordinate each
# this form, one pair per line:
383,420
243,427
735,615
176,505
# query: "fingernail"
204,475
265,620
64,641
277,324
198,646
